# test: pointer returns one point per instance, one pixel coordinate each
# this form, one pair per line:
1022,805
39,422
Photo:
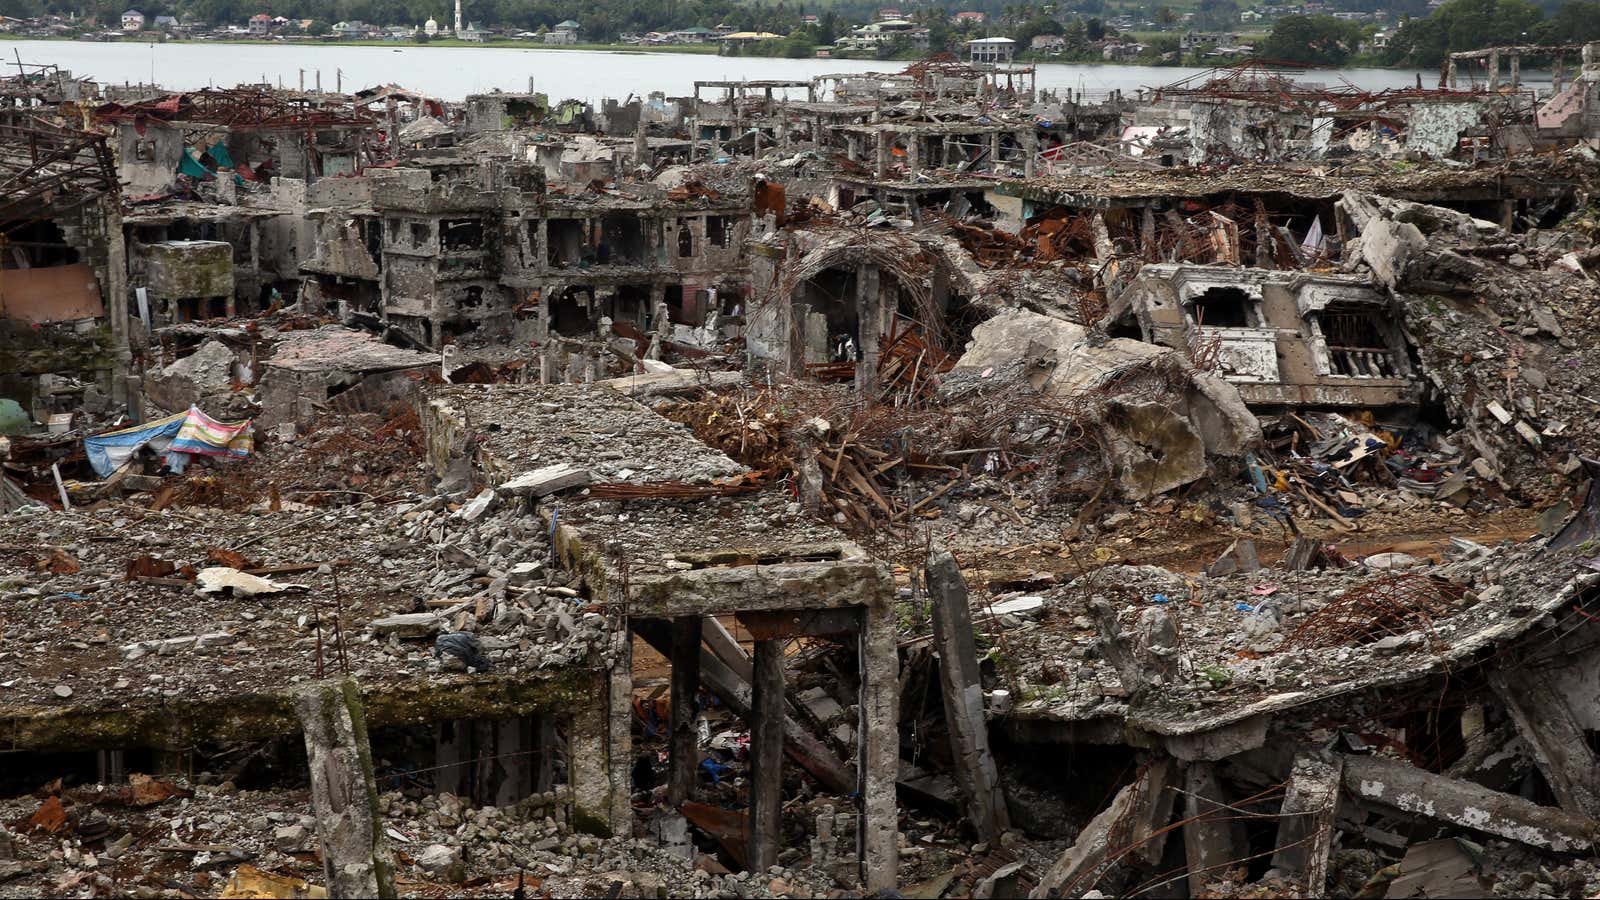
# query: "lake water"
454,72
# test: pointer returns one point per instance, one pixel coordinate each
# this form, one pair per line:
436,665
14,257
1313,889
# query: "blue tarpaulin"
107,452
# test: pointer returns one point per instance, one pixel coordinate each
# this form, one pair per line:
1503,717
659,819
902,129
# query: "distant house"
1047,43
968,18
697,34
749,37
809,19
563,33
991,50
260,24
133,20
353,30
887,14
165,23
398,33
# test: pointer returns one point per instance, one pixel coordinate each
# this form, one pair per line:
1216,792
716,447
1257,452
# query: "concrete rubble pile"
899,484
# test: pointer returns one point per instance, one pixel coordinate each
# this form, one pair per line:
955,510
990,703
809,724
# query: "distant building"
353,30
1047,43
164,23
968,18
473,34
563,33
430,27
260,24
992,50
133,20
809,19
888,14
697,34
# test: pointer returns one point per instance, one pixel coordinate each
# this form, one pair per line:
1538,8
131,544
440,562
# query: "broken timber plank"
1305,824
1404,787
1546,722
962,688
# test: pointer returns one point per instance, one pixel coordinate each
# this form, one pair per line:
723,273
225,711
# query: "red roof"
261,17
969,15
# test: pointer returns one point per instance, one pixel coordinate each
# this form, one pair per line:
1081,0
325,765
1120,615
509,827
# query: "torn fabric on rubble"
108,452
176,436
205,436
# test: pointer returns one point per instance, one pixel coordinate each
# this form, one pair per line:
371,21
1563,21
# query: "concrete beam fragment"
1404,787
344,796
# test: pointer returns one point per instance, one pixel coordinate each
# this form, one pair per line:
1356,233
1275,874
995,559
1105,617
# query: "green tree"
1318,40
1576,22
1462,25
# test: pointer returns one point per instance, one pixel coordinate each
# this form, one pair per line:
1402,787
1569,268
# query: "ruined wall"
148,162
1435,128
176,269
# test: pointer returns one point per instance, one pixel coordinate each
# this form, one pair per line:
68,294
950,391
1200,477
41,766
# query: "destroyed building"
910,481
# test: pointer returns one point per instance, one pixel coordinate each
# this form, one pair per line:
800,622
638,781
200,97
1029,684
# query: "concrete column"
878,753
962,687
1516,70
452,757
881,169
544,736
1450,75
1030,150
1305,824
112,766
1213,838
994,149
116,289
869,311
685,746
766,757
1552,728
1494,70
619,720
852,148
590,769
913,154
344,798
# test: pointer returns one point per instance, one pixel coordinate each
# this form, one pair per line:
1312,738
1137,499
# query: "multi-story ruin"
908,481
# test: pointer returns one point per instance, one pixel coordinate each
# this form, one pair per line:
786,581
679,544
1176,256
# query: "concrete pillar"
619,724
881,167
913,154
544,737
1494,70
878,753
1305,823
962,687
1030,150
852,147
1547,721
112,766
344,798
641,143
685,745
1450,75
1556,74
116,289
590,769
1213,837
452,757
766,757
1516,69
994,149
869,312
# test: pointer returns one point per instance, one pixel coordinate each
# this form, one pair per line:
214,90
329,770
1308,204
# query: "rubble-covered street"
897,485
